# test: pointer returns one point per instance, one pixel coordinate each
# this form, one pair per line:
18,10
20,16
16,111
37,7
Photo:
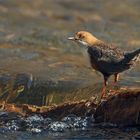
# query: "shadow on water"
23,88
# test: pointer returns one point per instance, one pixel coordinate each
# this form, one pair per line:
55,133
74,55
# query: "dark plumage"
106,58
110,60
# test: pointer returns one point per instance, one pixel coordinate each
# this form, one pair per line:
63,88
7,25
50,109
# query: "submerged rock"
121,109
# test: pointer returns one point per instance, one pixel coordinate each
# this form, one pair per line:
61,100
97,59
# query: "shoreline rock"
122,108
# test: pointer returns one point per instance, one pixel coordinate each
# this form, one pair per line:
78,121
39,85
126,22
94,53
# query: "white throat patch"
84,46
83,43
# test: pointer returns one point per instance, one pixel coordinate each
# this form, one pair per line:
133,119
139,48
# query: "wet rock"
81,108
121,109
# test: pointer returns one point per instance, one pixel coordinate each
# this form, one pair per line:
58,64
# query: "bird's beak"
71,38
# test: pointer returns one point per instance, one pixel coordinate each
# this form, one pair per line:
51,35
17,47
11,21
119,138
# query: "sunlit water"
33,36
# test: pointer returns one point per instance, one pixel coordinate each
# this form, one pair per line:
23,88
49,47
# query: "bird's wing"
107,59
106,53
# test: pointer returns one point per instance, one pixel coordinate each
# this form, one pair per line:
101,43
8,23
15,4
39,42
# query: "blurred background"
33,38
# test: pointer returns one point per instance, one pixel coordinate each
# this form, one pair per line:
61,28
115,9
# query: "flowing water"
71,127
33,44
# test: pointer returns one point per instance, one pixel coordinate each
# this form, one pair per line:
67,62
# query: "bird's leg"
104,86
116,78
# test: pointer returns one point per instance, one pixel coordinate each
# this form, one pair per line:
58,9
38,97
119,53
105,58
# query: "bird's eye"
80,35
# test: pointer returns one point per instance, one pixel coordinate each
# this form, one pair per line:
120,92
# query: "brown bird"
104,57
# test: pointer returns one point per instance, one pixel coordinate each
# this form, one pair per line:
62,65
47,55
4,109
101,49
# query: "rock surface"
122,109
82,108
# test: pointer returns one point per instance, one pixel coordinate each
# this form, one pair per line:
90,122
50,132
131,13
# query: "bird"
105,57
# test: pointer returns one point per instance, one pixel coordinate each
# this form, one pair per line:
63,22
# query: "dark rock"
77,108
122,109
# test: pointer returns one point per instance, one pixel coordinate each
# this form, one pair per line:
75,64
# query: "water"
89,134
71,127
30,42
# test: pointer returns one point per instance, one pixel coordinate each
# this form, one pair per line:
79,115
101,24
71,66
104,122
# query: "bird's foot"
103,97
115,86
102,100
112,92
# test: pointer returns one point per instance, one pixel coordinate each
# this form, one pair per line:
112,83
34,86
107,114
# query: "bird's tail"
132,56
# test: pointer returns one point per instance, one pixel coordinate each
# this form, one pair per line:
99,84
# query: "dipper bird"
105,57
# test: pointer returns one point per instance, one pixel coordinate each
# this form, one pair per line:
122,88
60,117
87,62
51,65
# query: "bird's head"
85,38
